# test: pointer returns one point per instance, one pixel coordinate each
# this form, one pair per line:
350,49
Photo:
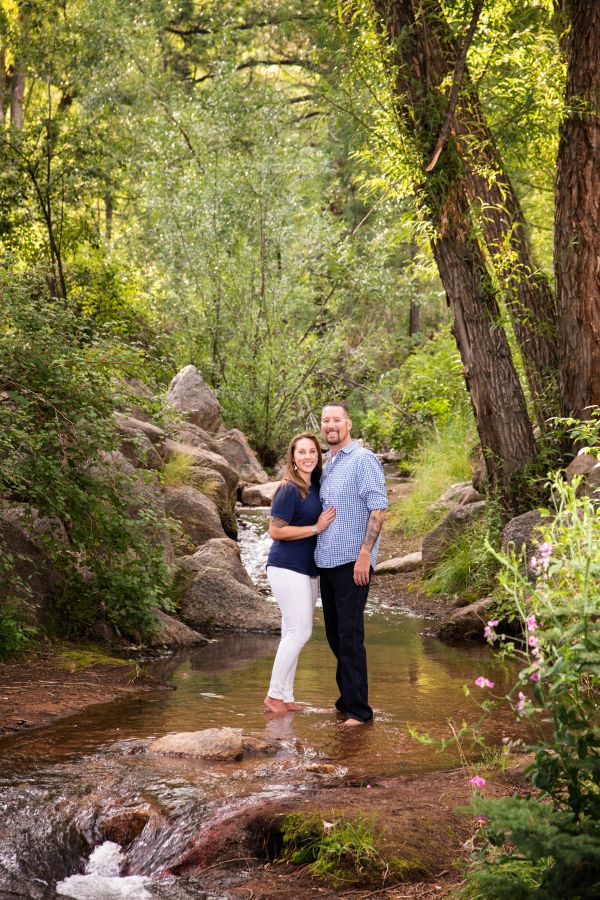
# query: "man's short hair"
340,403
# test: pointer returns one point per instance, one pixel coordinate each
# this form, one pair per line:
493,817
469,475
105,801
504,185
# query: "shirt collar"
349,448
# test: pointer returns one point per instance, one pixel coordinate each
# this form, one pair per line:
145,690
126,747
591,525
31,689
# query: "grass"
342,852
467,568
181,469
443,461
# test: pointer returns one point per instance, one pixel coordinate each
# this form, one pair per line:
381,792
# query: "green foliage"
342,851
443,460
14,635
61,381
425,392
556,833
467,569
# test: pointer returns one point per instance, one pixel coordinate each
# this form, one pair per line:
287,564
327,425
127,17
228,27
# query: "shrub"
61,381
548,846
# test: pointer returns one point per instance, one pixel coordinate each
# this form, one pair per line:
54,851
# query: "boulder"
193,436
466,623
390,456
436,541
196,513
587,466
259,494
218,594
202,458
234,446
32,580
190,395
460,494
142,443
409,563
140,399
219,744
173,633
523,532
144,493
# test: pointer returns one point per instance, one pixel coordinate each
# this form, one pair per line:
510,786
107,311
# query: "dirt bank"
54,680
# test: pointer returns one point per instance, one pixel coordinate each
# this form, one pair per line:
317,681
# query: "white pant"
296,596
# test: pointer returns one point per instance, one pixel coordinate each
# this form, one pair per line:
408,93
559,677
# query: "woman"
296,520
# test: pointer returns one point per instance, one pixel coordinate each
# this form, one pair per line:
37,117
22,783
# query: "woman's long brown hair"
291,474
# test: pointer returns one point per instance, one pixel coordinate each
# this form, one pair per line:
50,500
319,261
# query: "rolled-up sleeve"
371,483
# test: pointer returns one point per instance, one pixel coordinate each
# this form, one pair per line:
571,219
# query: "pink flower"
533,564
484,682
477,781
492,623
327,826
531,623
535,676
532,640
521,704
536,652
368,786
545,550
488,631
505,740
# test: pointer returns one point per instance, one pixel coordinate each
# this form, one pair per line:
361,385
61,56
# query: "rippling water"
57,782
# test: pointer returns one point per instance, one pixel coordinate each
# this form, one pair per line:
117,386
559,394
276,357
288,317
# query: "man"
353,483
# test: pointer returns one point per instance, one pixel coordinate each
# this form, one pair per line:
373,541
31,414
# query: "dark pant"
343,611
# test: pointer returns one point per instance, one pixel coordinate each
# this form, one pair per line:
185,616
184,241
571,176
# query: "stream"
69,791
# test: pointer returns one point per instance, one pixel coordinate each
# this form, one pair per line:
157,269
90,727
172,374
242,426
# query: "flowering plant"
557,831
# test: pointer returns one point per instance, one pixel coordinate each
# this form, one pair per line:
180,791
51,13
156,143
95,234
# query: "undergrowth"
442,461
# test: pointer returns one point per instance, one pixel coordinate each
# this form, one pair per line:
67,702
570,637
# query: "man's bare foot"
293,707
351,723
274,705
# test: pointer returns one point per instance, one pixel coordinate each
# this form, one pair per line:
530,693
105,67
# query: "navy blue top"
289,505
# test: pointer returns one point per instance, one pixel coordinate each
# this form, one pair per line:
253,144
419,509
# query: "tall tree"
577,218
417,49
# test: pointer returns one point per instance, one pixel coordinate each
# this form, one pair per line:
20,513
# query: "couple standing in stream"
326,520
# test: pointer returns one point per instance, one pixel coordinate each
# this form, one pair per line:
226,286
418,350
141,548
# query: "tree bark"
17,96
577,216
414,319
421,65
3,85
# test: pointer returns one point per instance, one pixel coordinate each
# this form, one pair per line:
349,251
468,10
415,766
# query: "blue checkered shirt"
354,483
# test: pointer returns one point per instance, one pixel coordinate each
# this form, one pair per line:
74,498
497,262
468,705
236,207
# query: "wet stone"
219,744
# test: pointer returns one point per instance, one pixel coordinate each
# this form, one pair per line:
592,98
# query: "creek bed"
58,782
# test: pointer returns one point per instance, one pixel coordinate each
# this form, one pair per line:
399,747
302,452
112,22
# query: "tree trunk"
3,85
577,216
421,65
496,394
414,319
17,96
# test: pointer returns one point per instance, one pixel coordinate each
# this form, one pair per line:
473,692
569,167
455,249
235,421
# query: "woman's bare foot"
293,707
351,723
274,705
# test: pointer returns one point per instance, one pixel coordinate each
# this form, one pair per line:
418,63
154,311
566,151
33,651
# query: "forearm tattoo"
277,522
374,527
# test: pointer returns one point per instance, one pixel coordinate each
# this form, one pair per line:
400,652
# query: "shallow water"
56,783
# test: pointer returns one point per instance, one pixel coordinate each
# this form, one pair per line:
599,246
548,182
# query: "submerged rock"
219,744
173,633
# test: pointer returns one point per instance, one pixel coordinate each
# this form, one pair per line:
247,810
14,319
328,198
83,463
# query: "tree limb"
456,80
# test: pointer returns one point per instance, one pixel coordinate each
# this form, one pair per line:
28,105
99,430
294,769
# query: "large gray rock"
219,744
143,493
233,445
201,458
259,494
142,443
218,594
588,468
30,580
191,396
436,542
196,513
409,563
466,623
523,533
173,633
